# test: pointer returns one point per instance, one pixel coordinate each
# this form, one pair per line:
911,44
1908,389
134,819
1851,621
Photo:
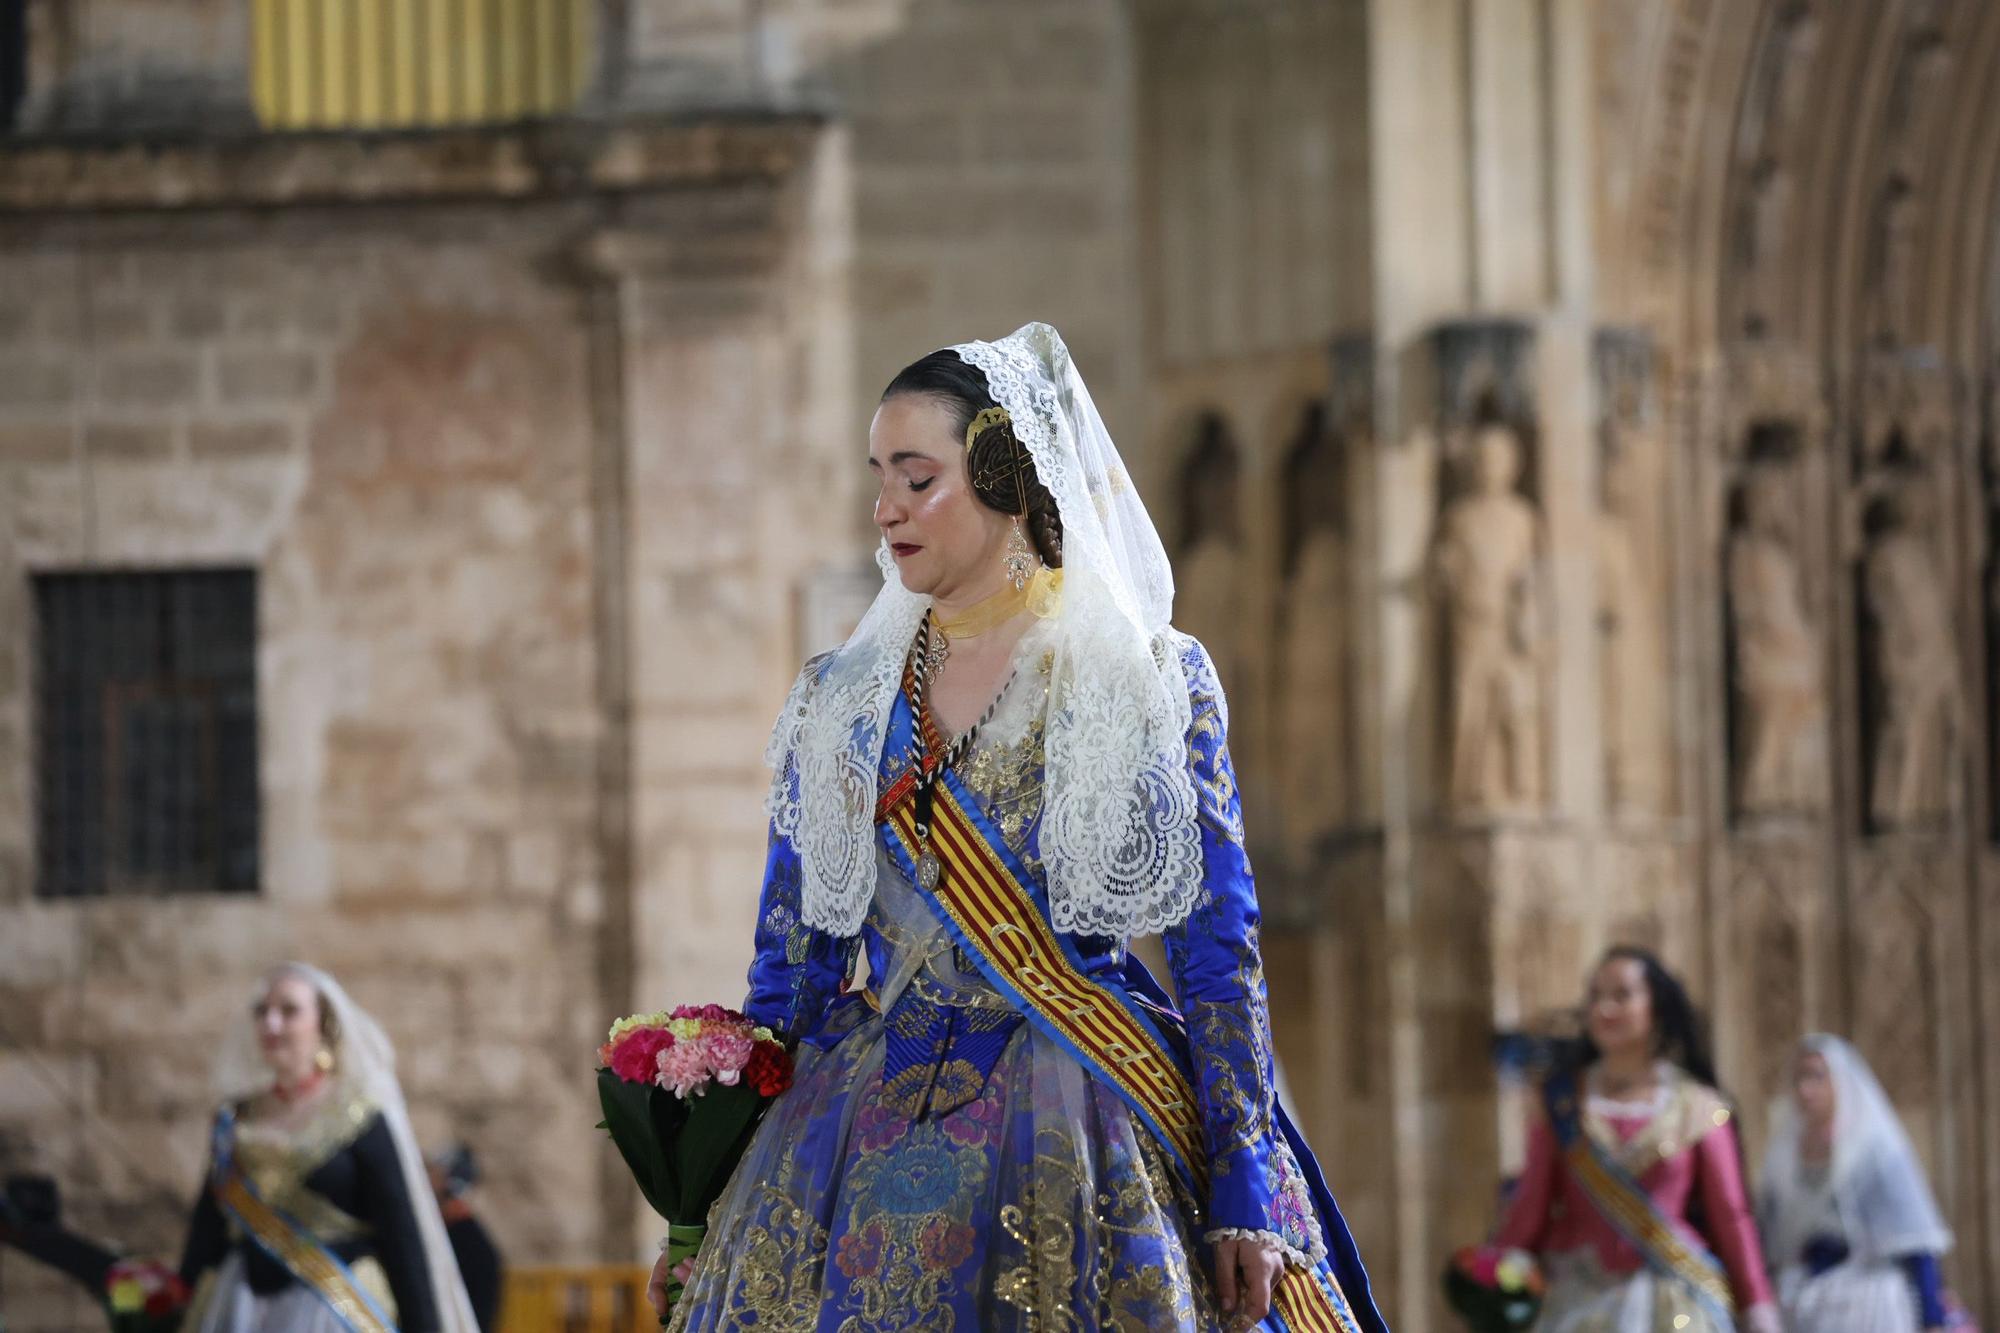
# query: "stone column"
724,436
1483,661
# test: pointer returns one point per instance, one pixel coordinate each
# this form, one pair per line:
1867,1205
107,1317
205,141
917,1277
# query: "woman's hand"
1763,1319
1246,1272
656,1290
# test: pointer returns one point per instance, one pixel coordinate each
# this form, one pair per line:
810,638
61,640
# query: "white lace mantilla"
1120,838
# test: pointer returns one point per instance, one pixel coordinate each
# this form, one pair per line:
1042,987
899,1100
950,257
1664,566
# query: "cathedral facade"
1573,424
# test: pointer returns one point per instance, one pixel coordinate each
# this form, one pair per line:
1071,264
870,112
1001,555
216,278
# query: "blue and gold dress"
947,1159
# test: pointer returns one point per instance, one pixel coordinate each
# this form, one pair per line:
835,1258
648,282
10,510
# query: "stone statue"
1915,666
1312,696
1488,560
1776,658
1631,657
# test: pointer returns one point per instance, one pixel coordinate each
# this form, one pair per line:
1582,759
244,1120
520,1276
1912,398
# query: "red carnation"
171,1296
636,1055
769,1070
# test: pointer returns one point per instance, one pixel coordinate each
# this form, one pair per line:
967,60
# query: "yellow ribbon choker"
975,620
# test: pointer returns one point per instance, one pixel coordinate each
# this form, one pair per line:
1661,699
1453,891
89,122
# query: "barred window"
13,60
146,732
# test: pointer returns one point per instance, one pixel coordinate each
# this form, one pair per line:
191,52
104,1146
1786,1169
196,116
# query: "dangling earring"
323,1061
1020,558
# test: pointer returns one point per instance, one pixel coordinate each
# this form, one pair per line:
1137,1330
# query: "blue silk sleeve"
1927,1281
797,971
1255,1182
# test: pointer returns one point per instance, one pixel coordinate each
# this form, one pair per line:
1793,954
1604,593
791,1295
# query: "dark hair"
1002,473
1679,1033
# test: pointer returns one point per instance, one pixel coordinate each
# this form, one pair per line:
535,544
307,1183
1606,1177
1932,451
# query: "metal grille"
146,735
13,60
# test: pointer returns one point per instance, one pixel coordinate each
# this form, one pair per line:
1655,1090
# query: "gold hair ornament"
986,419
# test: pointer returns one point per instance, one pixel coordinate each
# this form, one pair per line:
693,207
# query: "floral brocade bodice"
945,1026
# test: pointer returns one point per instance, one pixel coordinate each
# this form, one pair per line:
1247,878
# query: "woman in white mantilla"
1848,1216
1011,768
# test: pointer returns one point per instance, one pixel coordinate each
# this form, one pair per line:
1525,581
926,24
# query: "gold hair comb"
986,420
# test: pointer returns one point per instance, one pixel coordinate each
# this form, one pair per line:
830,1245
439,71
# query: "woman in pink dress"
1633,1194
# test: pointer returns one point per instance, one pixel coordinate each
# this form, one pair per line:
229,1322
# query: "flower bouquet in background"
1494,1290
144,1296
682,1092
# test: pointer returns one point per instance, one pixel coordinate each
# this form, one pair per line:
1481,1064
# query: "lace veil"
1877,1182
1120,841
365,1066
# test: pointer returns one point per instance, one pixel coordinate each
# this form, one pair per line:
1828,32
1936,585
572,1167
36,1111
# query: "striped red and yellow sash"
990,910
1000,920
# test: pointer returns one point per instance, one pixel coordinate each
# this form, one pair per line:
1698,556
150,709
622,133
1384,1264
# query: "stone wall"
494,466
994,184
124,65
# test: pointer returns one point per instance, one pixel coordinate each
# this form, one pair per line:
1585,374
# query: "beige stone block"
197,317
144,1082
477,935
265,377
38,442
40,944
39,1087
127,441
35,381
154,380
933,140
160,1161
676,747
1053,133
524,997
150,1006
534,861
241,439
267,318
203,939
121,319
500,1070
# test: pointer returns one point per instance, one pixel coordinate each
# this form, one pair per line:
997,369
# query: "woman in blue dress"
1013,767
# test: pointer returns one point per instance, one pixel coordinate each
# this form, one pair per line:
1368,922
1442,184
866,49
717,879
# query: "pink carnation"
682,1069
728,1051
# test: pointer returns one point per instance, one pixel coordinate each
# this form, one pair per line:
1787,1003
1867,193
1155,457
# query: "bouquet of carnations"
682,1091
1494,1290
144,1296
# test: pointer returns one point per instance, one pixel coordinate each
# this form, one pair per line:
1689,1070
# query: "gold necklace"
976,620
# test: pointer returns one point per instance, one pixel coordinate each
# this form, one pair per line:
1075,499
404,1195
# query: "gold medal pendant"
929,871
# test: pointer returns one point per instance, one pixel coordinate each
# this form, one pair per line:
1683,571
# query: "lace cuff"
1293,1256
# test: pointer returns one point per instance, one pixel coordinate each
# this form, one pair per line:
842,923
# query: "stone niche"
1488,575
